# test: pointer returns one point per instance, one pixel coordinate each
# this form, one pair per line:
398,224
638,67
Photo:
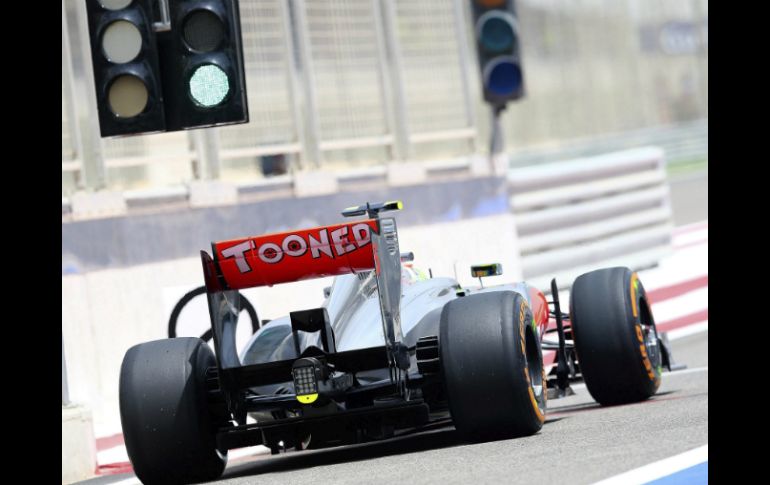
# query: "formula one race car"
390,351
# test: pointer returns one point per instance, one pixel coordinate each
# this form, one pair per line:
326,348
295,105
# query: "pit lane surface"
581,442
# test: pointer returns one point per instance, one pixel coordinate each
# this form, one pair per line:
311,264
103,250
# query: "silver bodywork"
384,304
354,313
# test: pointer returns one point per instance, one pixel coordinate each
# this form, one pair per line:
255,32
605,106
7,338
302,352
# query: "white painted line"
682,265
692,237
683,305
127,481
116,454
660,469
692,329
691,227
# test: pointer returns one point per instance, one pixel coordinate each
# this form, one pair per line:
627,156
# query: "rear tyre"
615,336
169,432
492,366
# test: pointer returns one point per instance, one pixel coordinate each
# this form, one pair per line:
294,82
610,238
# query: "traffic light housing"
185,71
202,65
126,70
497,40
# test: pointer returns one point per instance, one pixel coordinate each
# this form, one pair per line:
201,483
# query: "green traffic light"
209,85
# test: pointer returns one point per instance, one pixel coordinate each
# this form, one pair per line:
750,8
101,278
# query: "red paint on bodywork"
295,255
539,309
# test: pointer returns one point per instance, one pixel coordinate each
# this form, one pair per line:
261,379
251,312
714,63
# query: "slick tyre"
169,432
615,337
492,366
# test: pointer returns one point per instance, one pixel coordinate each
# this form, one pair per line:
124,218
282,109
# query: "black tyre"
492,366
169,432
615,337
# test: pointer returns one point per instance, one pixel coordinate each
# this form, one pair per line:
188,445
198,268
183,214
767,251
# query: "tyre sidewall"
168,430
605,314
485,371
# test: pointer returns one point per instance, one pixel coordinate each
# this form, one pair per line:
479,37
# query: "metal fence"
275,126
364,82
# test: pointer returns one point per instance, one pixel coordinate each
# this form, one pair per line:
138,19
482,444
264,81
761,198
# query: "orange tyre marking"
522,314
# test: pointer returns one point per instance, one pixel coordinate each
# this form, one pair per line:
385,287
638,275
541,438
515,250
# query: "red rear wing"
290,256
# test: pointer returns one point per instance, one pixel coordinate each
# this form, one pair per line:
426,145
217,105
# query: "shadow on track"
429,440
592,406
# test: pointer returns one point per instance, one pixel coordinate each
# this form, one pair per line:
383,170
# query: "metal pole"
213,163
303,48
165,17
701,56
207,149
292,72
69,81
461,34
385,25
93,161
497,141
65,394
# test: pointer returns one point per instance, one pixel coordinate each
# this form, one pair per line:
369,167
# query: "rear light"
305,373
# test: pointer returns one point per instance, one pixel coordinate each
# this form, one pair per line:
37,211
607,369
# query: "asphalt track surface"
581,442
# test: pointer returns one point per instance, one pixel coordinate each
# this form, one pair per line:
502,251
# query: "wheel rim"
534,366
650,334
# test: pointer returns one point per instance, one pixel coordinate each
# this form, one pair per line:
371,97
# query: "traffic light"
156,72
126,70
497,40
201,61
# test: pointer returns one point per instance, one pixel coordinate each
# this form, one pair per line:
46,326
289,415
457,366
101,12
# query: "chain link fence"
274,131
365,82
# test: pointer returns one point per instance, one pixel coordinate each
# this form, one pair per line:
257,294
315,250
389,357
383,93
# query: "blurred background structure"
344,84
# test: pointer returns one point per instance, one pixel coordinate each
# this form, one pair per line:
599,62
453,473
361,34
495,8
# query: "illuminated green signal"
209,85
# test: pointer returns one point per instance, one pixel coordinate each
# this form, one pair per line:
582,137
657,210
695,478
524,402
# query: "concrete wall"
78,448
161,233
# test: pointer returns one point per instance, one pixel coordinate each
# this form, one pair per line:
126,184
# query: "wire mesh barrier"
435,70
359,83
273,132
346,78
